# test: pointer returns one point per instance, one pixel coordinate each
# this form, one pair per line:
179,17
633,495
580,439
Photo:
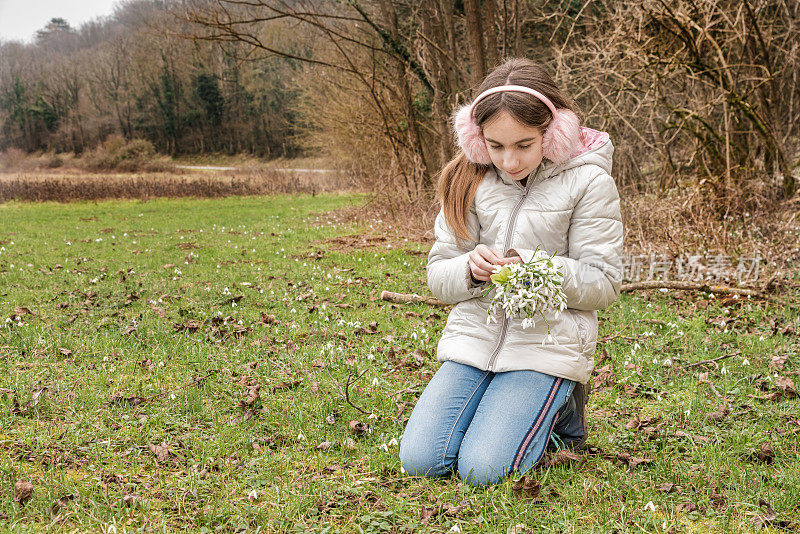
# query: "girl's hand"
513,258
482,261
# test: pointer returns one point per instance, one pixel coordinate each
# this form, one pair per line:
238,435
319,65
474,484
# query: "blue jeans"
487,425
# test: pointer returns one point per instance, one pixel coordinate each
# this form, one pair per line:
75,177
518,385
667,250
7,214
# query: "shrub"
118,154
53,162
12,158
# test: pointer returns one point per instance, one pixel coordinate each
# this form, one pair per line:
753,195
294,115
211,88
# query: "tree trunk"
477,56
414,137
515,40
443,75
492,52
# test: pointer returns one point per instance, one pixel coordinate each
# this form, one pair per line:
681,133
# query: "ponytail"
458,183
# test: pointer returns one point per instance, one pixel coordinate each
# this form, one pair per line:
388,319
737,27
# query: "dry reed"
72,187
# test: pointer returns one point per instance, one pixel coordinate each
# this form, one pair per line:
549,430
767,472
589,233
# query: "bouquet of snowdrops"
527,290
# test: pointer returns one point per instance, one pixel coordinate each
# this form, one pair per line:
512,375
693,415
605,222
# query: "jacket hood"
596,150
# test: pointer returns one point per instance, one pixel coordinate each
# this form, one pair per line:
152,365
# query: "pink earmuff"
561,139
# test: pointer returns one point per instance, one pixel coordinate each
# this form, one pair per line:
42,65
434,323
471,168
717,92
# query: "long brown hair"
460,178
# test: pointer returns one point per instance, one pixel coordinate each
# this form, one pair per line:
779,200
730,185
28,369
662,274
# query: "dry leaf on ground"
23,491
357,427
565,457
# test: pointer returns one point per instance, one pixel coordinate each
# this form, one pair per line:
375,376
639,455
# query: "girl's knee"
422,460
482,468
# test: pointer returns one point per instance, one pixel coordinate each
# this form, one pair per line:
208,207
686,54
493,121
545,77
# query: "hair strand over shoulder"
458,183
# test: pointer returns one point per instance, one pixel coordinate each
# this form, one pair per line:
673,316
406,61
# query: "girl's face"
514,147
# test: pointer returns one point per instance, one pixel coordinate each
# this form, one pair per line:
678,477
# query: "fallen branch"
135,400
350,382
413,298
718,358
410,298
698,286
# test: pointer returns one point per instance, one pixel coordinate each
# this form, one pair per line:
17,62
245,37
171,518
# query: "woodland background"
701,98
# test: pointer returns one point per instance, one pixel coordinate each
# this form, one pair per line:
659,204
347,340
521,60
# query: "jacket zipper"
509,233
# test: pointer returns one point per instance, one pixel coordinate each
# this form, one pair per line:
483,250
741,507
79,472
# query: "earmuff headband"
560,140
519,89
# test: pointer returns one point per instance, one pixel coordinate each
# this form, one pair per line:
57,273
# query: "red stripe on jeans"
535,428
547,439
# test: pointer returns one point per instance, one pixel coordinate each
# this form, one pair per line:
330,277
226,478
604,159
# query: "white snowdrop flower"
384,447
745,362
171,396
402,470
455,529
253,495
375,381
723,371
370,357
667,362
680,332
650,506
761,338
372,416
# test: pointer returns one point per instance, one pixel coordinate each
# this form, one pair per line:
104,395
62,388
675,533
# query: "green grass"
170,274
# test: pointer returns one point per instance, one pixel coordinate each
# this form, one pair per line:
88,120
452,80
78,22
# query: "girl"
527,175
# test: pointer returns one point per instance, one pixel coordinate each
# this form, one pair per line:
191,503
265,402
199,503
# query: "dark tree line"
135,75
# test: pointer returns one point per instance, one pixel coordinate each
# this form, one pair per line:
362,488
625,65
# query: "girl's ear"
469,136
562,137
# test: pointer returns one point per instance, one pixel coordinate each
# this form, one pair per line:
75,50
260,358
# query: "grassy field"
196,365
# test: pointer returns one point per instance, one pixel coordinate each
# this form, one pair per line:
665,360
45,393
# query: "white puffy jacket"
571,209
